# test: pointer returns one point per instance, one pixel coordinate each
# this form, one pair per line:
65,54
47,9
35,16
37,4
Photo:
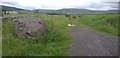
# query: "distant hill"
85,11
75,11
60,11
8,8
19,10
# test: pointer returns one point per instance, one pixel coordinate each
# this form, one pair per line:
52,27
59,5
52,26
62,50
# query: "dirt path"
86,42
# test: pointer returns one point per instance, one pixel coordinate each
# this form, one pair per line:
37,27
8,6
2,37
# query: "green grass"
0,38
103,23
56,40
53,42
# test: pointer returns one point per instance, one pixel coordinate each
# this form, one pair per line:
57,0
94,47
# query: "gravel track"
86,42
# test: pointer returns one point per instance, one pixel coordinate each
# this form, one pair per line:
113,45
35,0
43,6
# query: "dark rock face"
28,27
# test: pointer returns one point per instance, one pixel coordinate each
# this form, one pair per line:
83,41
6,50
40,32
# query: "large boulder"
28,27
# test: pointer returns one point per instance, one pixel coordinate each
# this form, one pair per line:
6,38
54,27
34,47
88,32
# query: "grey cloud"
10,3
104,6
15,4
95,6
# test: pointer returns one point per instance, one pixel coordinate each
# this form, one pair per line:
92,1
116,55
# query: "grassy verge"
103,23
0,38
53,42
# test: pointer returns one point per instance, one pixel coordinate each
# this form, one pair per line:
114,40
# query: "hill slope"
9,8
75,11
19,10
60,11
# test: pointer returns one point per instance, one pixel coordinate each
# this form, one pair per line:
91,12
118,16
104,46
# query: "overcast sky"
59,4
